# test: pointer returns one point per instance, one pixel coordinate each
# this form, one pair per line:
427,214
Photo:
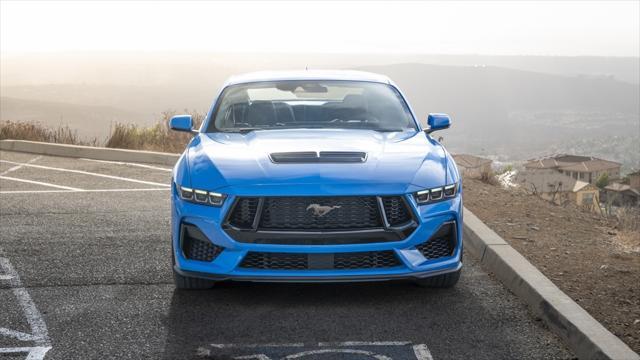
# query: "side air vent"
196,246
321,157
441,244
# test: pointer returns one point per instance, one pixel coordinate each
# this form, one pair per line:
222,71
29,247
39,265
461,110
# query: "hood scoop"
312,157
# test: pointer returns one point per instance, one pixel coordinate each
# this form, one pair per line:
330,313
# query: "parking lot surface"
85,273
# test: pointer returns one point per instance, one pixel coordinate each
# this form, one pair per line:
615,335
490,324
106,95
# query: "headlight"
436,194
201,196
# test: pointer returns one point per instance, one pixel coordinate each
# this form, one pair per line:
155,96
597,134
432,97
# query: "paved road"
85,273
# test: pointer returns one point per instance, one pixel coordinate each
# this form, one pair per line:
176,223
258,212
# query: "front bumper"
318,279
226,266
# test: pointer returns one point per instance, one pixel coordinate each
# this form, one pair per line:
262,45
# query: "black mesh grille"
244,212
366,260
320,213
396,210
442,244
275,261
196,247
339,261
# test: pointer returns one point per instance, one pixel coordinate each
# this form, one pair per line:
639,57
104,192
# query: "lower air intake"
196,246
366,260
338,261
441,244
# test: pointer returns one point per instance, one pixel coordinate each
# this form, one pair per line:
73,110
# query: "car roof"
348,75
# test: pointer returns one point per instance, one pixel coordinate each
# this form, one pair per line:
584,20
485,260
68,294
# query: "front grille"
395,210
320,213
338,261
244,212
319,220
196,246
442,244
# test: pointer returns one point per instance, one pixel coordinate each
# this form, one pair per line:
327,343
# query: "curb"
584,335
98,153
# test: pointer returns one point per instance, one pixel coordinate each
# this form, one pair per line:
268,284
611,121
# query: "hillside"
520,113
569,245
89,121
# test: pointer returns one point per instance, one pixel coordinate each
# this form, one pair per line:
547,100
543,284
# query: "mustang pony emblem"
320,211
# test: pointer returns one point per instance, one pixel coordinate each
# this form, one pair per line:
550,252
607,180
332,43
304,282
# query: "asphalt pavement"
85,273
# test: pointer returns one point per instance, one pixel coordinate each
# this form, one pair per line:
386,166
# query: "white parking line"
365,343
20,166
422,352
130,164
225,346
35,352
40,183
87,173
368,354
39,333
262,351
17,335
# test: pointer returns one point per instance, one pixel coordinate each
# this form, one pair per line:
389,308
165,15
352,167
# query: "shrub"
155,138
123,136
34,131
602,181
488,177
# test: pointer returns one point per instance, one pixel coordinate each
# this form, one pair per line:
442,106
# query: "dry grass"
156,138
628,226
34,131
123,136
488,177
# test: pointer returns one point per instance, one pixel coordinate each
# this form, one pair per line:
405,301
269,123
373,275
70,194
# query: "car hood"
396,162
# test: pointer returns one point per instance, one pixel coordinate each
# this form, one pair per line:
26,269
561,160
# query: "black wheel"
440,281
188,283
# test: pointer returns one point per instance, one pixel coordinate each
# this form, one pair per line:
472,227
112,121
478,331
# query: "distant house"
559,188
472,166
583,168
618,194
634,180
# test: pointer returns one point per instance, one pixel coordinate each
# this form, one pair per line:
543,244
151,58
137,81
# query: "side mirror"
181,123
438,122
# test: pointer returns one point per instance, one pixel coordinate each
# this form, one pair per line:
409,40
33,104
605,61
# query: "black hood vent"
321,157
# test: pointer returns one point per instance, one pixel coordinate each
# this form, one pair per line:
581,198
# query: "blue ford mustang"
314,176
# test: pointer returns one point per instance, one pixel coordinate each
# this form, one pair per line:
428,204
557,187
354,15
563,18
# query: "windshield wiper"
388,130
241,130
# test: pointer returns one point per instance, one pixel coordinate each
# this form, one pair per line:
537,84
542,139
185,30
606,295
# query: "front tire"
447,280
185,282
190,283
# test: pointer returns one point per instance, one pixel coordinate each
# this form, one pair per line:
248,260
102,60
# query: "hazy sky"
513,28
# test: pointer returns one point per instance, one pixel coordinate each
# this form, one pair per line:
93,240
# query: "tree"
603,181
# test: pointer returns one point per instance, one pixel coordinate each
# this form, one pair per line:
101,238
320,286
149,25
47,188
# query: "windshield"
311,104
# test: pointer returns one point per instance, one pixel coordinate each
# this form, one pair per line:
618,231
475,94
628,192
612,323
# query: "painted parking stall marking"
86,173
12,175
152,167
18,167
355,350
39,335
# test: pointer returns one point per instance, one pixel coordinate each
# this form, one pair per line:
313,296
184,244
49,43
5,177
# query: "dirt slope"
582,253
